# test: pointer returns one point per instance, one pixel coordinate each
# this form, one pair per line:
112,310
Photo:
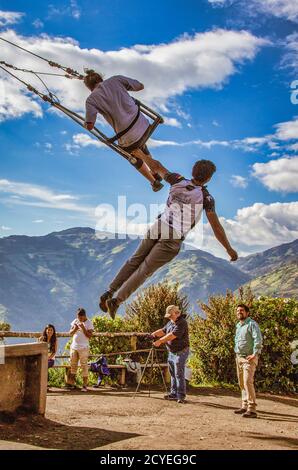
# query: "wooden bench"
122,371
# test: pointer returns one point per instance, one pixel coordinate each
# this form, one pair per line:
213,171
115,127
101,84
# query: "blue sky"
219,71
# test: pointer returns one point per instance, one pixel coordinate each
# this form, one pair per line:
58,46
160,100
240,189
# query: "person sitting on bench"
111,99
187,198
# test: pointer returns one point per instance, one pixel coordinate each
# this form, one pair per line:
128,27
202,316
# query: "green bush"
146,313
4,327
105,345
57,378
212,340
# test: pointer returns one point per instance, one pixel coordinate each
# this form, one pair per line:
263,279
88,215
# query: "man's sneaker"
84,389
156,186
113,306
103,300
241,411
181,401
249,414
170,397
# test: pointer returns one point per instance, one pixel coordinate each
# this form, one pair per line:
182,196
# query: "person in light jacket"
248,345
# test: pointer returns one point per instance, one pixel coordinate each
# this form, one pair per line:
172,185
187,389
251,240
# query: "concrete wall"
23,377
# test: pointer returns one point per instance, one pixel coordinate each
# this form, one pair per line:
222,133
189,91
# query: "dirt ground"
109,419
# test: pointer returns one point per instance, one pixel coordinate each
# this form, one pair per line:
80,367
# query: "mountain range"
44,279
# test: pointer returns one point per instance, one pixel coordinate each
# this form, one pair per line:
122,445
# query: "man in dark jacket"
176,338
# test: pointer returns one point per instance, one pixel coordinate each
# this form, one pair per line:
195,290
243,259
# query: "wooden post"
133,343
67,375
167,375
122,376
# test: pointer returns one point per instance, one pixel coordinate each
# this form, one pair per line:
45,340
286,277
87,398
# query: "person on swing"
111,99
187,198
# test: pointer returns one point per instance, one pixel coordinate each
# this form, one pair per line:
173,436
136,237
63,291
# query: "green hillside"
281,282
45,279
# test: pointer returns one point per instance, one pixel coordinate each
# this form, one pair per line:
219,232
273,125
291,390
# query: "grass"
57,378
215,384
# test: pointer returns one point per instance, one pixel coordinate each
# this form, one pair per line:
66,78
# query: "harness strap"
122,133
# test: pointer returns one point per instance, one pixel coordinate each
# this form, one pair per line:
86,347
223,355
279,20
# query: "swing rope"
68,70
13,67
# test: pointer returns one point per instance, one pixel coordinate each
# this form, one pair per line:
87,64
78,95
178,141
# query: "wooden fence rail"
104,334
22,334
122,368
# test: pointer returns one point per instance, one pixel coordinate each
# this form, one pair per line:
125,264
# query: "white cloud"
75,10
218,2
15,102
293,148
5,228
287,130
204,60
84,140
153,143
40,196
287,9
38,221
256,228
172,122
72,149
278,175
9,17
38,23
291,57
211,143
239,181
71,9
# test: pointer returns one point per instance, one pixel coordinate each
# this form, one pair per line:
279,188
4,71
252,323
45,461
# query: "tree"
146,313
4,327
212,340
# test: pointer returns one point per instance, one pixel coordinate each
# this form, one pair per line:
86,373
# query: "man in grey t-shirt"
186,201
111,99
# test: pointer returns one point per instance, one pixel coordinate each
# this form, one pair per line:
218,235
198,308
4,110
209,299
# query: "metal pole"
161,373
143,373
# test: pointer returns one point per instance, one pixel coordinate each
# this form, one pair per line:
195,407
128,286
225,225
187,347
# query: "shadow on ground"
290,442
290,400
42,432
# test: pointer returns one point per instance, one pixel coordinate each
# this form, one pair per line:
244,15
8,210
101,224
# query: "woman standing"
49,337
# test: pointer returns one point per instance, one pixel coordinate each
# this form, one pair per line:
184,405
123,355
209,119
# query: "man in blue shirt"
248,345
176,338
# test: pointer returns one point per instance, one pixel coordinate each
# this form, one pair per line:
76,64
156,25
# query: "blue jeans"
177,363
